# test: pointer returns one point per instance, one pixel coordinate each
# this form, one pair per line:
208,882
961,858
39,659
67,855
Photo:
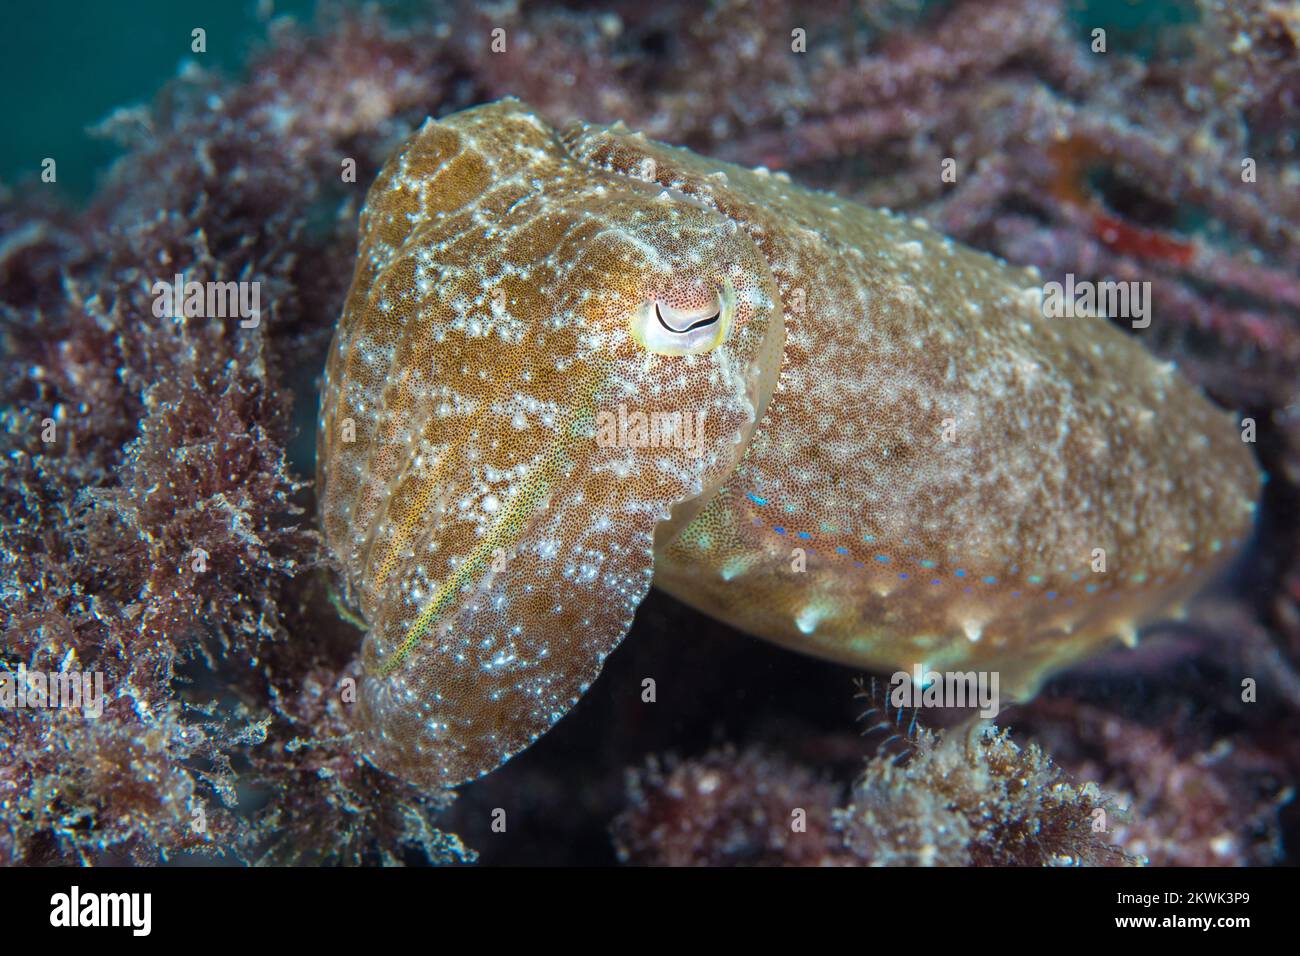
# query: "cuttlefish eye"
667,326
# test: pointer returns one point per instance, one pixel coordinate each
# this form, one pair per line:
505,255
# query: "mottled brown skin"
903,461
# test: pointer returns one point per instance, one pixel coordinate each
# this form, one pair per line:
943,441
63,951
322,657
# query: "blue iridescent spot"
842,550
882,558
804,534
757,500
927,563
960,573
990,580
868,537
779,530
1051,595
902,575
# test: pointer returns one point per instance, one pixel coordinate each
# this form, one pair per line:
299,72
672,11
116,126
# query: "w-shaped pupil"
701,323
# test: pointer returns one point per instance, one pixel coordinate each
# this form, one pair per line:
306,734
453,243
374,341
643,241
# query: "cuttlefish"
575,363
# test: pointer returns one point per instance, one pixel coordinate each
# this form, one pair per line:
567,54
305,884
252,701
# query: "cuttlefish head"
541,369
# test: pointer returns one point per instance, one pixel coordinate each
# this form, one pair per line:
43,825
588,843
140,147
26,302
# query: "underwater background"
224,163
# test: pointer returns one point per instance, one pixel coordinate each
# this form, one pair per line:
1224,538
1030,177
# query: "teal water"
67,64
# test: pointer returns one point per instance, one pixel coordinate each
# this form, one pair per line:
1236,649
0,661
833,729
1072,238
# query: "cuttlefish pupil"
690,328
906,462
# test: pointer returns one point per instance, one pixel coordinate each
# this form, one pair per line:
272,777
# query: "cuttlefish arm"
571,364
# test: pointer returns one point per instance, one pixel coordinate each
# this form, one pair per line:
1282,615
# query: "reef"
159,521
968,796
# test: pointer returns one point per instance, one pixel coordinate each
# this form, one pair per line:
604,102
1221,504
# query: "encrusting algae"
849,434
